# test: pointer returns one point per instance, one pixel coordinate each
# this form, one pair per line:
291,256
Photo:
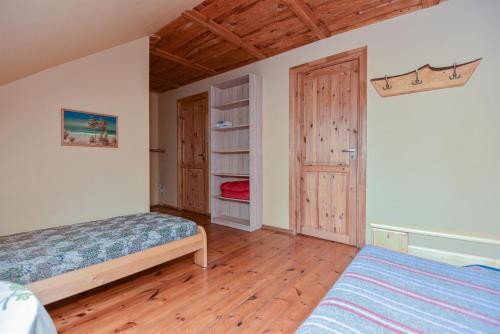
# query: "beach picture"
81,128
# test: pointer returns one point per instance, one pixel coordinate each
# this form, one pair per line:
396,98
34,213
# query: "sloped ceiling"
220,35
39,34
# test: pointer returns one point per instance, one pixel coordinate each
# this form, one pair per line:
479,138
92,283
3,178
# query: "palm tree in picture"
103,126
93,124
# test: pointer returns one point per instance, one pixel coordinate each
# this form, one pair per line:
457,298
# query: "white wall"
44,184
433,157
167,134
154,158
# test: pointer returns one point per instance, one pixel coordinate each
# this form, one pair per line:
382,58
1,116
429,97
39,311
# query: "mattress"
32,256
388,292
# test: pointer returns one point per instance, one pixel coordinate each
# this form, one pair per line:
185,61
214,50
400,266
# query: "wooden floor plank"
246,287
298,266
264,281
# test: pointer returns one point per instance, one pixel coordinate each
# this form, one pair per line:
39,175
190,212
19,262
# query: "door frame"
199,96
295,138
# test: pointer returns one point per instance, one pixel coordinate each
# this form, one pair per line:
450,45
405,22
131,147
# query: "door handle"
352,153
202,155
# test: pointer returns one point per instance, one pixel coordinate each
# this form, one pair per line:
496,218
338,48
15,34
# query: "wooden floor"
265,281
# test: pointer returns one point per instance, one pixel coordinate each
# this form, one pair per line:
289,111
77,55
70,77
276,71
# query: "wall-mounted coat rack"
425,78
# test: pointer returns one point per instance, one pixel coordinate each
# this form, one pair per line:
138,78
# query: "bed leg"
200,256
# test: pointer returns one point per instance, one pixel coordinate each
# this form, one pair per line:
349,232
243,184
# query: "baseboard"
164,206
277,229
458,259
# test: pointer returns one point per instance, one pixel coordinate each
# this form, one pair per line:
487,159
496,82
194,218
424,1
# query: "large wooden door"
192,127
328,113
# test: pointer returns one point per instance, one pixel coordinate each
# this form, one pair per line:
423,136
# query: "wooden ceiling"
220,35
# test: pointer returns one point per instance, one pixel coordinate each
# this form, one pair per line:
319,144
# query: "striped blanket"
388,292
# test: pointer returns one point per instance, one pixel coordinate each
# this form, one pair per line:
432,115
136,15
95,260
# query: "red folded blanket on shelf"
235,195
236,189
236,186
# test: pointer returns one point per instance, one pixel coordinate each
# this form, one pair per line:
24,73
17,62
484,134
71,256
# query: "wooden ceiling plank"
306,15
372,14
158,81
376,19
228,34
429,3
222,32
154,39
183,61
179,34
219,8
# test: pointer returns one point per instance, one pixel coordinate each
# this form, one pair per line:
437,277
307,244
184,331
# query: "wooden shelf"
232,152
233,105
231,199
235,175
229,128
236,150
231,220
233,83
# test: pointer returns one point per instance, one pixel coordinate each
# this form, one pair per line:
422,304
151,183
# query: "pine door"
193,153
328,107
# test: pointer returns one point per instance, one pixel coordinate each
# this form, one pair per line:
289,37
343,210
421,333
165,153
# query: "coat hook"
387,86
417,81
455,76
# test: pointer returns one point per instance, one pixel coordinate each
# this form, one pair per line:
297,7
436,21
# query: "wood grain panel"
182,61
222,32
194,180
222,35
327,109
256,16
326,208
180,33
192,144
307,16
357,15
219,9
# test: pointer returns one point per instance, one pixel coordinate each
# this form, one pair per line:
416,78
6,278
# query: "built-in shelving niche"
236,150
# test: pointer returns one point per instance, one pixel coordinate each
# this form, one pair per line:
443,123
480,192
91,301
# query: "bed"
59,262
383,291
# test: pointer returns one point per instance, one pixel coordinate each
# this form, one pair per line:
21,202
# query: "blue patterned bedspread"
388,292
32,256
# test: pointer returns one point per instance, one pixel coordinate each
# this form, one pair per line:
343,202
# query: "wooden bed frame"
401,239
73,282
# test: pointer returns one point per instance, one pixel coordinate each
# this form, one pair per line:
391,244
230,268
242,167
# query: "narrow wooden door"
328,107
192,127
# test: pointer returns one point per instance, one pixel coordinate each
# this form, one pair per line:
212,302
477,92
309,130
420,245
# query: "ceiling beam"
222,32
307,16
179,60
159,79
429,3
162,84
154,39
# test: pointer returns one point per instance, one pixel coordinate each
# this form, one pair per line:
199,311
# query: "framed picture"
80,128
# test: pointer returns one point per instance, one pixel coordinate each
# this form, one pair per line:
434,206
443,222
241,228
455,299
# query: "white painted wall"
167,135
433,157
44,184
154,158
